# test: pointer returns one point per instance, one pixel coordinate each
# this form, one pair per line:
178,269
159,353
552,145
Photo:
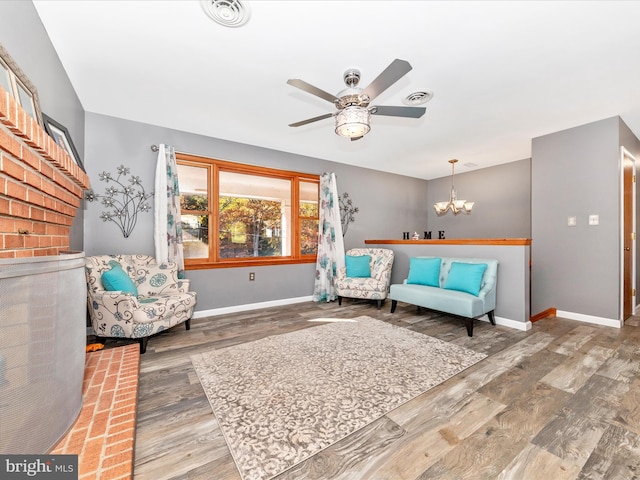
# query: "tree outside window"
250,210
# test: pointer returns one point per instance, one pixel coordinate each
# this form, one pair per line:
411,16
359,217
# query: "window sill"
236,263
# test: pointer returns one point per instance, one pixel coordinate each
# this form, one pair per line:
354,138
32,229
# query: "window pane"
26,101
4,79
254,216
193,188
308,237
195,236
309,199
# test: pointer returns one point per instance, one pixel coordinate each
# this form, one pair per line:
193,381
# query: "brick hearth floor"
103,435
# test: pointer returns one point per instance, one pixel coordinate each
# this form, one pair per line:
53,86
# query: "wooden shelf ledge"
455,241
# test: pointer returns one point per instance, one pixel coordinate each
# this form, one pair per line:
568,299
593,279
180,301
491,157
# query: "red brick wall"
40,186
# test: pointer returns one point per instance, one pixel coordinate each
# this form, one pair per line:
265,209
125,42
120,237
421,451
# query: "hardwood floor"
561,401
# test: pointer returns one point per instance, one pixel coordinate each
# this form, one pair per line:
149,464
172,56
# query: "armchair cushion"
117,279
158,278
358,266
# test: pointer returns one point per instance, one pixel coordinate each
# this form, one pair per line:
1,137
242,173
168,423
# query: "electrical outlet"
572,221
252,276
594,220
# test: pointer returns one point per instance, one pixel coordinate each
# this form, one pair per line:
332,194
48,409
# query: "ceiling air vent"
418,98
229,13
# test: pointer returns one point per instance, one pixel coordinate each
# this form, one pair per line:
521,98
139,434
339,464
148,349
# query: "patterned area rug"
282,399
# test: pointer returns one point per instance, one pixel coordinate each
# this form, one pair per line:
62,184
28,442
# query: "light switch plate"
571,221
594,219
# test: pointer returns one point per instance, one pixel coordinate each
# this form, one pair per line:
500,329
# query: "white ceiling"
502,72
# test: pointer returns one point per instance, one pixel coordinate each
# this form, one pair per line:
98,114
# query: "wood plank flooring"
561,401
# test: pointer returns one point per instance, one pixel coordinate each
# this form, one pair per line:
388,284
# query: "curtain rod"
155,148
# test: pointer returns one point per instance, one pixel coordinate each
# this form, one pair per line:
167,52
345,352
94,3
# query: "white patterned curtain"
167,233
330,241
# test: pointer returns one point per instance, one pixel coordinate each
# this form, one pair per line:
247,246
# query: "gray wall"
575,172
388,203
24,37
502,197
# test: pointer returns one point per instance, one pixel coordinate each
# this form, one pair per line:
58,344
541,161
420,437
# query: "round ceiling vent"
230,13
418,98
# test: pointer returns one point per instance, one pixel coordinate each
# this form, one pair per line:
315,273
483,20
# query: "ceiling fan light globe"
353,122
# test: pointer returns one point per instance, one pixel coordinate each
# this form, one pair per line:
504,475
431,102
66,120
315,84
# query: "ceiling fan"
353,103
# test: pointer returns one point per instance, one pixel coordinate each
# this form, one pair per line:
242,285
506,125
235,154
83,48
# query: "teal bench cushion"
465,277
424,271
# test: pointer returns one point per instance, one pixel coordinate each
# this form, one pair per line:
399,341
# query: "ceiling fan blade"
307,87
394,72
411,112
310,120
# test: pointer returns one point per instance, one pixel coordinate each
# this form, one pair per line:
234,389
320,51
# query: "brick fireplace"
42,290
41,187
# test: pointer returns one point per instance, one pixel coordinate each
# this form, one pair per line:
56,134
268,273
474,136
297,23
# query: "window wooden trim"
214,167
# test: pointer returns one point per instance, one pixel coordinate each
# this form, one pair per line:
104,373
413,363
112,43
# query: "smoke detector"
418,98
229,13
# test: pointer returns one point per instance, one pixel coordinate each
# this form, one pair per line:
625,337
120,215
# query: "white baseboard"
607,322
507,322
251,306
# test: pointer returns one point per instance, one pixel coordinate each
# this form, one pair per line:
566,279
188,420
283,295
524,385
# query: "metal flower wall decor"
123,201
347,211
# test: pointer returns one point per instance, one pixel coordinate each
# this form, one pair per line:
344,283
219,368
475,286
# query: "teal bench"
454,302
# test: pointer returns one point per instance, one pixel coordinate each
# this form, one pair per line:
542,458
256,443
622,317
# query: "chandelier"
455,205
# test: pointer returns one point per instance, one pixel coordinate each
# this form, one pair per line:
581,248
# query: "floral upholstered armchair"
132,296
372,283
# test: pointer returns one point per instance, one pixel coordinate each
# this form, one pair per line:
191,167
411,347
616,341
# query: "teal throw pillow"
117,279
424,271
358,266
465,277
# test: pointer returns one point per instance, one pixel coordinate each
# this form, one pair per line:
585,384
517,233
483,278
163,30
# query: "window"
241,215
14,81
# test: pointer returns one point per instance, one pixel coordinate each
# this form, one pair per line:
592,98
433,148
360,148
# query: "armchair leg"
394,304
187,325
492,317
339,300
143,344
380,304
468,322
